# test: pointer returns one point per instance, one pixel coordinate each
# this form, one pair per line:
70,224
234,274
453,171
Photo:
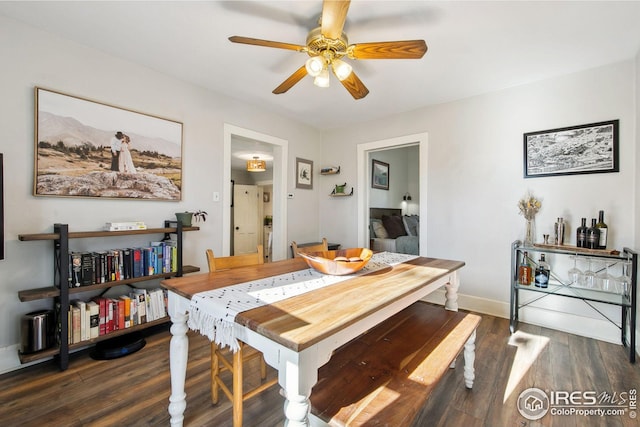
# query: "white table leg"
297,374
469,360
296,411
451,293
178,353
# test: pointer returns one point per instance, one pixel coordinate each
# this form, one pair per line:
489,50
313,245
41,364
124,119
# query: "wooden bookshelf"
61,292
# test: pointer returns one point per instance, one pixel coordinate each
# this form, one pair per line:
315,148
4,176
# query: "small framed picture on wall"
304,173
379,175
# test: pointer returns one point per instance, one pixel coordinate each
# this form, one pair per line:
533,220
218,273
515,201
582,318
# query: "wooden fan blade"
334,14
267,43
294,78
354,85
408,49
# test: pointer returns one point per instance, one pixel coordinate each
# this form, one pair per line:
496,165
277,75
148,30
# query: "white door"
245,219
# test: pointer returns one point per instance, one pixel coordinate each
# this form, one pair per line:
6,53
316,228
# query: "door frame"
364,172
280,155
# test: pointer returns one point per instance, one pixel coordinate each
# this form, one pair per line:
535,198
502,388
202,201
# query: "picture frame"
304,174
90,149
266,197
379,174
573,150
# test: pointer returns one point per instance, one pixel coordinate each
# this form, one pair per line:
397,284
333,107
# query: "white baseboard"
589,327
9,360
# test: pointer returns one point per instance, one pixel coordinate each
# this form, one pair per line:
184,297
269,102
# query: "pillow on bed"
378,229
394,226
411,224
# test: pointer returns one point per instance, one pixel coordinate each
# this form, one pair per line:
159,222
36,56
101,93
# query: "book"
158,250
141,296
102,312
76,269
133,315
102,262
84,328
126,310
127,259
138,269
123,226
109,316
121,313
75,325
154,310
94,316
173,256
87,269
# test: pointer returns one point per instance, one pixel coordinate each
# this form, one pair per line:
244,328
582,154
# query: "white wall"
34,58
475,178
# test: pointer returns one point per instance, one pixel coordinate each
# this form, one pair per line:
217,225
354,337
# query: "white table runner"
213,313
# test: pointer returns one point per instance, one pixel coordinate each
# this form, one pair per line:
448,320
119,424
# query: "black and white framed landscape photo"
86,148
590,148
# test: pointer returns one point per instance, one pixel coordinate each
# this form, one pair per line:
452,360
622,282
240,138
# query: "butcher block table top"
302,321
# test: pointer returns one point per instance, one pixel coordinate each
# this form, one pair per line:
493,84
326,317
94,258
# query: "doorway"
279,218
364,174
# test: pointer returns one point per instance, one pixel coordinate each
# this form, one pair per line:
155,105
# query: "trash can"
36,331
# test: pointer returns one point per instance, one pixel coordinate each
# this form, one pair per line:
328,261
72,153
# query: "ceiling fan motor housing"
317,44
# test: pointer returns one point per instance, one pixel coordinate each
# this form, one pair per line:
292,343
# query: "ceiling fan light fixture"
322,79
341,69
256,165
314,65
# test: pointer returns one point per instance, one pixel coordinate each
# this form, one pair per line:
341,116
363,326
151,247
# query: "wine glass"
624,280
606,280
575,274
589,276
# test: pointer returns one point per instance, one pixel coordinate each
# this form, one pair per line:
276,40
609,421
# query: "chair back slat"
324,246
227,262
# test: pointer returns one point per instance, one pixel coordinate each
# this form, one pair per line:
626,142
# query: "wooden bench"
384,377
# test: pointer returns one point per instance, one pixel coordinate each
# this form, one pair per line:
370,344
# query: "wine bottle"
602,227
593,235
525,271
542,273
581,234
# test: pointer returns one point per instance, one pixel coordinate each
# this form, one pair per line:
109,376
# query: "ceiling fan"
327,45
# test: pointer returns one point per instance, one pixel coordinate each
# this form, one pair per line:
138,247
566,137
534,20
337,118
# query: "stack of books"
103,315
125,226
92,268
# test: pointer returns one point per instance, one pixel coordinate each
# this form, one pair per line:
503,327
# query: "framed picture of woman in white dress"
91,149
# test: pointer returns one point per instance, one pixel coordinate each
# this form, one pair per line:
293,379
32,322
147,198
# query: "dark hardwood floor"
134,390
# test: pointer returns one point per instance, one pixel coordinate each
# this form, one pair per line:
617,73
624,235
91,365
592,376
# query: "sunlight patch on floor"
529,347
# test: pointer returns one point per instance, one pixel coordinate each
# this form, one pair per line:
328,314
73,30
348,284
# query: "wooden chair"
324,246
220,360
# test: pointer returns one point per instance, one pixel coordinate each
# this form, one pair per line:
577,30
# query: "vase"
530,232
184,218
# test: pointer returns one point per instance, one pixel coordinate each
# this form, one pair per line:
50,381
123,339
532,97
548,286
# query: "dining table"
297,334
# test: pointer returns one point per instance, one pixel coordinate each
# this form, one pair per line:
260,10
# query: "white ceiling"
474,47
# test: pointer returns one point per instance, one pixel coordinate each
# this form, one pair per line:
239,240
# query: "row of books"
103,315
91,268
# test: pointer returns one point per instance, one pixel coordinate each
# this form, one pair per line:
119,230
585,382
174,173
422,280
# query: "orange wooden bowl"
326,262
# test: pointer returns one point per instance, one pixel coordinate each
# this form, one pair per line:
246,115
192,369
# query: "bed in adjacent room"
391,231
